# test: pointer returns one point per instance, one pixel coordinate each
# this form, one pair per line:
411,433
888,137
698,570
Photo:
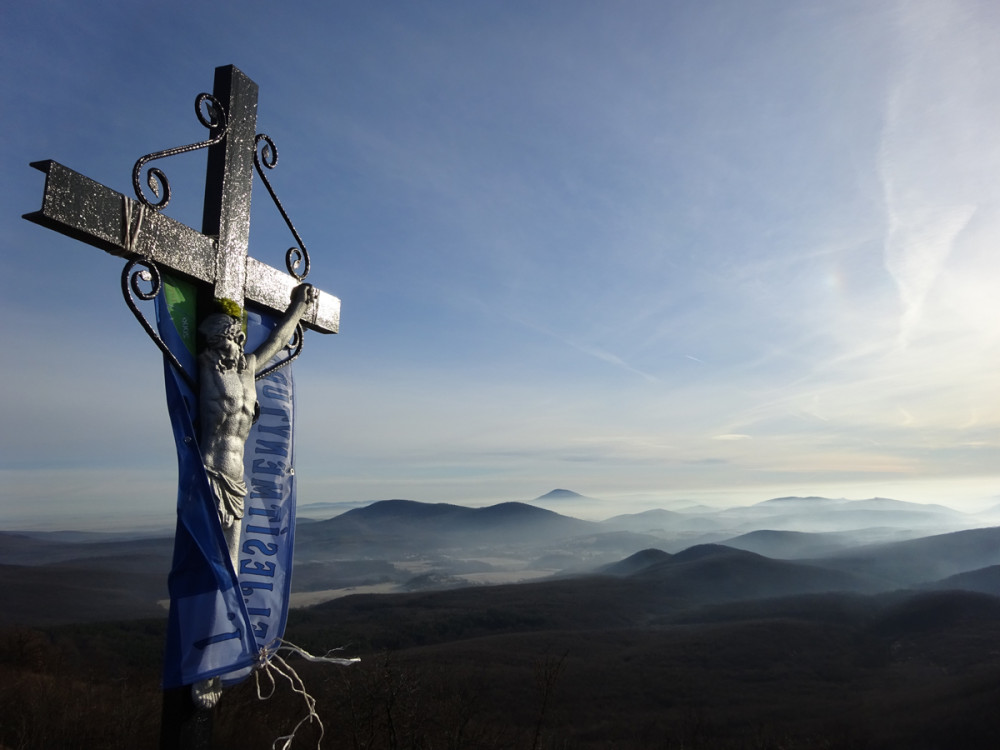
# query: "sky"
657,253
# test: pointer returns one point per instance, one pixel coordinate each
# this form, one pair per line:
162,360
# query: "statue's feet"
206,693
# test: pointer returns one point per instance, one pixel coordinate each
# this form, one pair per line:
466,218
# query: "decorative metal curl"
268,156
156,180
295,347
150,274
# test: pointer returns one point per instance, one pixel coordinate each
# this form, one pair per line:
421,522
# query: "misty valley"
800,622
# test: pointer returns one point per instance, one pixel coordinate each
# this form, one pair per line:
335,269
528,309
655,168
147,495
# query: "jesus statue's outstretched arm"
303,296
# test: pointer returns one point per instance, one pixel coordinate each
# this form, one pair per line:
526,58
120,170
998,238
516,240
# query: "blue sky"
654,252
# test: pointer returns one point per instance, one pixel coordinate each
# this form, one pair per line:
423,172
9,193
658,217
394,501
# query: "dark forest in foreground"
571,664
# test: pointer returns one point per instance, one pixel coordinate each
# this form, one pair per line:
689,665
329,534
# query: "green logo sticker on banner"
182,303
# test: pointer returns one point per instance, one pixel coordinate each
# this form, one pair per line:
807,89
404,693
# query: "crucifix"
213,259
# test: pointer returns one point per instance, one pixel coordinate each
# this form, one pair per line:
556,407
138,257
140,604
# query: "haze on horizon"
655,252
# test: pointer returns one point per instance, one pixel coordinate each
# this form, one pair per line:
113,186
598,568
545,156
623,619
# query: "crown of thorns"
221,324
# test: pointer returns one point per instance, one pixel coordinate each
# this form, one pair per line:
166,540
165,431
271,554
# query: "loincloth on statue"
230,495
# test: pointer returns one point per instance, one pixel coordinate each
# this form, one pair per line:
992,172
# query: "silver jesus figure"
227,401
228,396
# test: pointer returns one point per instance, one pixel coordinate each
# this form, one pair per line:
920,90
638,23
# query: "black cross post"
217,256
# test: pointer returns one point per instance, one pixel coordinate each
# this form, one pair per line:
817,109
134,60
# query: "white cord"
270,663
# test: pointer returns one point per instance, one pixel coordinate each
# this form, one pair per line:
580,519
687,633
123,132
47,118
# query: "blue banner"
220,618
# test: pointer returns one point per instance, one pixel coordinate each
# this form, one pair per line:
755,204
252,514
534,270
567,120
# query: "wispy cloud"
936,162
920,236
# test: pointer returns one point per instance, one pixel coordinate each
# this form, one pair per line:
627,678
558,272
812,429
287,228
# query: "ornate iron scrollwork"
212,115
214,119
268,156
150,274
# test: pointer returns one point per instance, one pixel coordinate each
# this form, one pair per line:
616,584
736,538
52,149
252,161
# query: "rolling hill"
984,580
916,561
419,525
713,573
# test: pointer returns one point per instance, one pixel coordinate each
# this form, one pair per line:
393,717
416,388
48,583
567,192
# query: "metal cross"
217,256
88,211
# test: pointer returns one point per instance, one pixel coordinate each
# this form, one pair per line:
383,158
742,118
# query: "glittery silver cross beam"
135,229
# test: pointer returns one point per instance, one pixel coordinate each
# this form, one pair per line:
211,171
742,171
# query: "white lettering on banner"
264,553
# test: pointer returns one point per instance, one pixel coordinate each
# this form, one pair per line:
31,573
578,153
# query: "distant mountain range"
765,550
818,514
